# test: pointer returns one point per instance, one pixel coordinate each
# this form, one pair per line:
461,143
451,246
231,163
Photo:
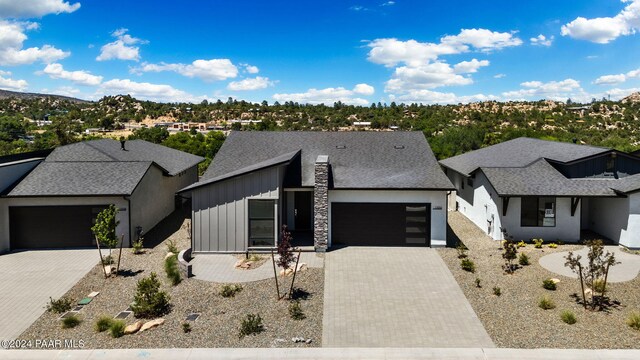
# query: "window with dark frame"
538,212
262,223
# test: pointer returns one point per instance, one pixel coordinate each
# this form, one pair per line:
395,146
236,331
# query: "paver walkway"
29,278
627,270
221,268
395,297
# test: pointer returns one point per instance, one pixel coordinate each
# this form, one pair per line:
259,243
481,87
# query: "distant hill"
5,94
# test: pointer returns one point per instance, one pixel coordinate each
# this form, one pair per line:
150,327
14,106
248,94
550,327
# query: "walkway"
627,270
395,297
220,268
29,278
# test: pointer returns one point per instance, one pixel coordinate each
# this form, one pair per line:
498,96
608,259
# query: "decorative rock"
555,281
93,294
308,341
169,254
302,266
133,328
588,292
151,324
109,269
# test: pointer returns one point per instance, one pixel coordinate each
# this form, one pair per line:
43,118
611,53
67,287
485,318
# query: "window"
262,222
538,211
416,224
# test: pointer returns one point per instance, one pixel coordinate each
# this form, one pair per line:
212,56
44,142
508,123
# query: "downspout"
128,198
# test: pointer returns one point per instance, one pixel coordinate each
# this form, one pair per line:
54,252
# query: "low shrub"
599,286
523,259
107,260
468,265
549,284
537,243
497,291
103,323
568,317
553,245
230,290
462,250
171,267
251,324
521,243
546,303
295,311
634,321
186,327
117,328
478,283
149,301
171,247
59,306
71,322
137,246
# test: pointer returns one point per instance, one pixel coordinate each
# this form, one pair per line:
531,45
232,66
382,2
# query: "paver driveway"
395,297
28,278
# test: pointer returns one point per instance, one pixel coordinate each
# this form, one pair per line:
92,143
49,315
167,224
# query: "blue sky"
357,52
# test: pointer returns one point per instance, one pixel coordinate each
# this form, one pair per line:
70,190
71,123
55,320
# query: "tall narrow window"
262,222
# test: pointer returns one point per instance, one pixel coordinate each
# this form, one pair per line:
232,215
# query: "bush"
546,303
634,321
230,290
497,291
107,260
468,265
599,286
537,243
549,284
462,250
568,317
523,259
251,324
117,328
71,322
521,243
186,327
59,306
171,247
295,311
478,283
509,254
103,323
150,301
171,267
553,245
137,246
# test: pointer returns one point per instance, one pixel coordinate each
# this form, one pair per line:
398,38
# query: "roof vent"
341,146
398,146
122,147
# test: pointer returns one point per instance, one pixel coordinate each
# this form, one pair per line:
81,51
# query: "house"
55,202
329,188
532,188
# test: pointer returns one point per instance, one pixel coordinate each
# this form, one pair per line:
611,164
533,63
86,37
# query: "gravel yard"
219,322
514,319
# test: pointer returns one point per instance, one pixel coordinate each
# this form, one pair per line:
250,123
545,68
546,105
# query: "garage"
380,224
39,227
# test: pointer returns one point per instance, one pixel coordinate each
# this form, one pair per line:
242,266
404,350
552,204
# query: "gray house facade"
329,188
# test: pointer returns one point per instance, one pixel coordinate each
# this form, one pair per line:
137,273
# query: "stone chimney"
321,204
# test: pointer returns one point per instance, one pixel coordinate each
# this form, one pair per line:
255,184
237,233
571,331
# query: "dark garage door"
34,227
381,224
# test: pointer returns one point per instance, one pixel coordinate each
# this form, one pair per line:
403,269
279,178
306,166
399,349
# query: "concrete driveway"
395,297
28,278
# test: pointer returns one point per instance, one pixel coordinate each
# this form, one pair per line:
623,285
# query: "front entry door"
302,210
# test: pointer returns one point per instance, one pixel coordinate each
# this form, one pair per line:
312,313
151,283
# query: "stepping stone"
93,294
123,315
68,314
192,317
77,308
85,301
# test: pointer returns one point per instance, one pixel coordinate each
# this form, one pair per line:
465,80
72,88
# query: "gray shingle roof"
519,152
358,159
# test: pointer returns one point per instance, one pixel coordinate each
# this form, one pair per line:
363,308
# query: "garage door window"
262,222
416,224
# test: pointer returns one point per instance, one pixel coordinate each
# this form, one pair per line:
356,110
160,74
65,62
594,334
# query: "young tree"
509,254
105,228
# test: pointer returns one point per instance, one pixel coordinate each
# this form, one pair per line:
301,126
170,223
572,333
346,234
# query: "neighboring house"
533,188
56,204
330,188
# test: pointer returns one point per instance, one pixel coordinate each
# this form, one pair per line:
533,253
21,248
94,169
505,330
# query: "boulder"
588,292
302,266
151,324
133,328
169,254
555,281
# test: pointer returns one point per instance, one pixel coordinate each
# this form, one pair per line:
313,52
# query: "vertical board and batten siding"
220,213
596,167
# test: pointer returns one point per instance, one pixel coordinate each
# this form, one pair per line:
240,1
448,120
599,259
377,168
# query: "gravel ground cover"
219,322
514,319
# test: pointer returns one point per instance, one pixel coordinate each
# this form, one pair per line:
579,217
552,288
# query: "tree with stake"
286,257
105,229
509,255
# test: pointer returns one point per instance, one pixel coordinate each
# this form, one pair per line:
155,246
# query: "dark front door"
381,224
303,210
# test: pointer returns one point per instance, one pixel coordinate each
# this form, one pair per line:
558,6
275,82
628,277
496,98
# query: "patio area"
627,270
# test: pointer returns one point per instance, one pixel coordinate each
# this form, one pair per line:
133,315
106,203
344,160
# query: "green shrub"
521,243
549,284
295,311
634,321
468,265
149,301
103,323
230,290
117,328
462,250
509,254
171,247
59,306
497,291
186,327
478,285
553,245
251,324
71,322
537,243
599,286
171,267
523,259
546,303
568,317
137,246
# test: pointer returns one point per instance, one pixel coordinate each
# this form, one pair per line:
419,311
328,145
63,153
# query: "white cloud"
12,38
388,3
617,78
252,69
602,30
542,40
34,8
364,89
207,70
427,76
483,39
146,91
327,96
391,51
472,66
11,84
56,71
122,48
435,97
553,90
250,84
499,76
358,8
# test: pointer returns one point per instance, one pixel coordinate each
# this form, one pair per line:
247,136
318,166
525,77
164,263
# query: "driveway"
395,297
28,278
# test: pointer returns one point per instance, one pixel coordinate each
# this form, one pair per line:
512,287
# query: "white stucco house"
530,188
329,188
52,202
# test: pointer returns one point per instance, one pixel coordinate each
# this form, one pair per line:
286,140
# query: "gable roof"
519,152
359,160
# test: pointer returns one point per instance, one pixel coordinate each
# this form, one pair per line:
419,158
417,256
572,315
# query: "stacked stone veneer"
321,204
